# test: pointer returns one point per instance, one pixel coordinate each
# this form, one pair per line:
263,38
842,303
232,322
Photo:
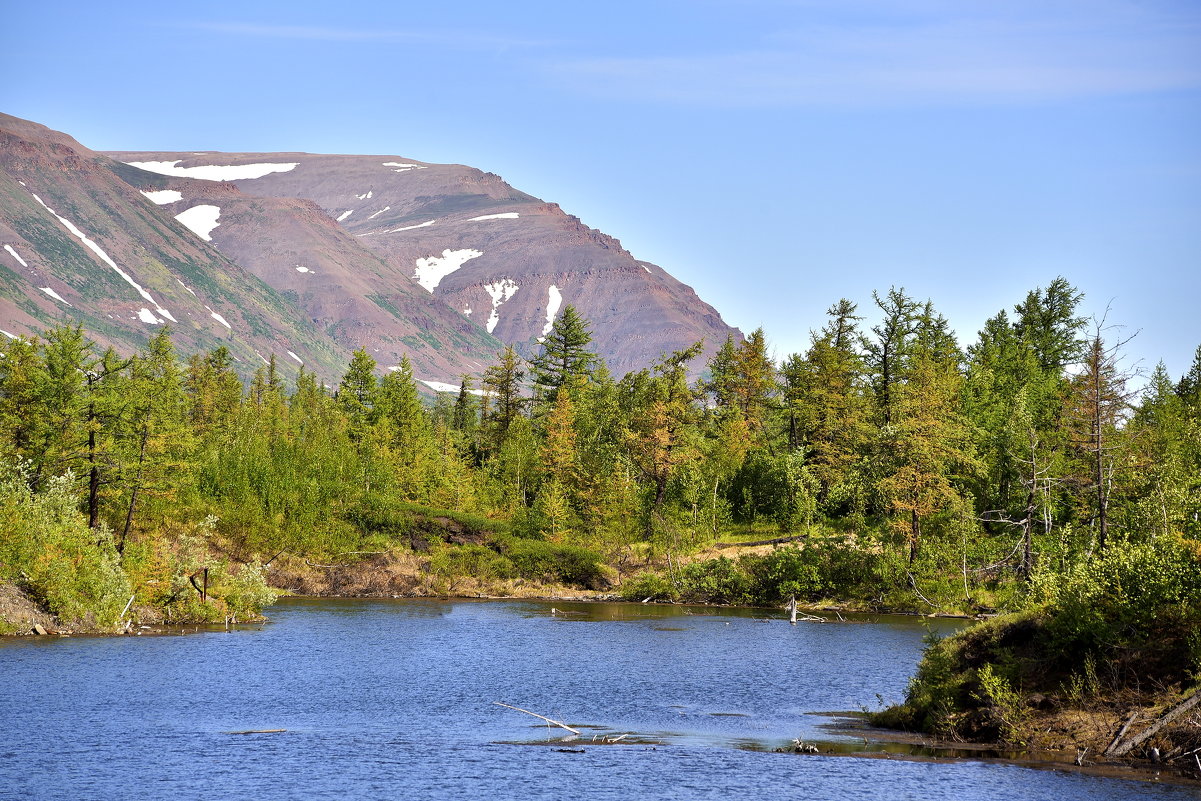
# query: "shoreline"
924,748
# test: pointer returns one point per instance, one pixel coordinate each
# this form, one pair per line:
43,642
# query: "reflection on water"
394,698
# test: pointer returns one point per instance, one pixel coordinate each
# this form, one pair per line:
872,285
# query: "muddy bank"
893,744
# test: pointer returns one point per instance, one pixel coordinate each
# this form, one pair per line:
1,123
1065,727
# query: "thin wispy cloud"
321,33
950,60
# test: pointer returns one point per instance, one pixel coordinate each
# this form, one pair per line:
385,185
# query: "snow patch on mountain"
426,224
432,269
214,172
508,215
220,319
345,214
378,213
297,358
554,299
300,269
92,246
500,291
163,196
54,295
16,256
403,167
201,220
366,196
442,386
147,316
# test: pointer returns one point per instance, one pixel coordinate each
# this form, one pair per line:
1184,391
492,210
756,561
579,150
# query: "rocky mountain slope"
504,259
309,257
122,251
79,244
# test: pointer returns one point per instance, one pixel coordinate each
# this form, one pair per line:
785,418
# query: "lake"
393,699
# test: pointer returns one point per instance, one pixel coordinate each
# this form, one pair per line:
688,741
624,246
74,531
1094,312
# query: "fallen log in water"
257,731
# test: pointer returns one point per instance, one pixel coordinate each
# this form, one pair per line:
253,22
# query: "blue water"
394,700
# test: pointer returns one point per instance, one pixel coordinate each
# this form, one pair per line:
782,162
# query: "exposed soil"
19,613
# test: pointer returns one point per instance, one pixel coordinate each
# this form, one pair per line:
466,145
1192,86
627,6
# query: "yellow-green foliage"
47,548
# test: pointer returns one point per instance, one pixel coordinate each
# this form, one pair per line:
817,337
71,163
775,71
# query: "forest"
903,470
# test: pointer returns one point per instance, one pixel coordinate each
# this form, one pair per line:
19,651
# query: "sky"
776,155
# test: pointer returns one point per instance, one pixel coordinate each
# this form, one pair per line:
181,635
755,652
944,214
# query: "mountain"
121,250
309,257
79,244
499,256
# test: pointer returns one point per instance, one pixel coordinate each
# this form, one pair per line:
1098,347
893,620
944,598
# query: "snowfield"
14,254
554,299
201,220
508,215
432,269
163,196
500,291
426,224
54,295
215,172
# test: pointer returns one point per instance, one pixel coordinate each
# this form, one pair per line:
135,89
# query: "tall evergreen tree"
503,383
564,356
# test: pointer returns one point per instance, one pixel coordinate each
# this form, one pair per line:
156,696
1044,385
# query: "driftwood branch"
1119,748
1117,738
128,604
541,717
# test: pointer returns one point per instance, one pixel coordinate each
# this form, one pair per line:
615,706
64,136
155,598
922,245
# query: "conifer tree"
503,382
356,392
157,436
564,356
888,351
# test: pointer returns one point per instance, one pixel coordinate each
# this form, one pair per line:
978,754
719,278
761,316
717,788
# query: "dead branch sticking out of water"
258,731
541,717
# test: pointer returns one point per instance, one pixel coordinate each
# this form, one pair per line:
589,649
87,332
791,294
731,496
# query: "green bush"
245,592
1133,596
717,581
538,560
47,548
648,586
471,560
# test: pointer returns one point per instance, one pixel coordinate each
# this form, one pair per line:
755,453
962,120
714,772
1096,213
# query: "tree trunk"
93,472
133,495
915,534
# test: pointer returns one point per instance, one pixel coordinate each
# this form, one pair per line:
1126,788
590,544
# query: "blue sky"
775,154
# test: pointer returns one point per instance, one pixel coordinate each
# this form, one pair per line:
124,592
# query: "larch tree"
564,356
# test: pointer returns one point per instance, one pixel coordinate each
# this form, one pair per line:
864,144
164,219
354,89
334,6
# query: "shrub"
716,581
47,548
545,561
